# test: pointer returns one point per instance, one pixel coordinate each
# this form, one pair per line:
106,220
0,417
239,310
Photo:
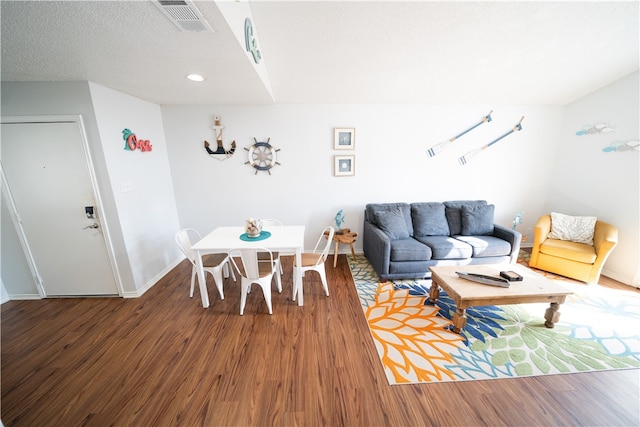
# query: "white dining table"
283,238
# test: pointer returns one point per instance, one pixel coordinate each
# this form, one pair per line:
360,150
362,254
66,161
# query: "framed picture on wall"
344,138
344,165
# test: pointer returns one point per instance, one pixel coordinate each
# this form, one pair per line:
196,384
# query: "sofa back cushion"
429,219
477,220
453,212
393,223
387,217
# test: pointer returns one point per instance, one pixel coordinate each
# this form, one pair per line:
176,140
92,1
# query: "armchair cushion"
578,229
477,220
569,250
392,222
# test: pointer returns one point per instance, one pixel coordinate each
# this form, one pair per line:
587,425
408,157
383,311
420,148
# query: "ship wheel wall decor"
262,156
219,153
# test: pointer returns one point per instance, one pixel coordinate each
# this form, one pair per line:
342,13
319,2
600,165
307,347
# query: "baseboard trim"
138,293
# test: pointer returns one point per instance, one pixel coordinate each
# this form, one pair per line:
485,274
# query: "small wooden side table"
346,237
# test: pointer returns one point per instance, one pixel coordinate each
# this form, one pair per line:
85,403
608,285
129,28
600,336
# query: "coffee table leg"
552,315
459,320
434,292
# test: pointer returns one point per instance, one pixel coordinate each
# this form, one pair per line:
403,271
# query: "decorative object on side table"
253,227
339,219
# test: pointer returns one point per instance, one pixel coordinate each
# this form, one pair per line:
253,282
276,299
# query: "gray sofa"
403,240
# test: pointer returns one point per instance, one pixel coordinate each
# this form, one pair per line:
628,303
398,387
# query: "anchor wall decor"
219,153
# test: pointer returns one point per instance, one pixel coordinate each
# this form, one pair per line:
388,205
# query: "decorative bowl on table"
253,227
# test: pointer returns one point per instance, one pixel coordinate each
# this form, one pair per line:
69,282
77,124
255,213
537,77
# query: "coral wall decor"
219,152
132,143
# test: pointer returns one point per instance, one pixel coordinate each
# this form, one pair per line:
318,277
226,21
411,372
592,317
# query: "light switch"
126,187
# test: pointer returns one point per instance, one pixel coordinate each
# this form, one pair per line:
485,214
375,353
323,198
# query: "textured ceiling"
549,53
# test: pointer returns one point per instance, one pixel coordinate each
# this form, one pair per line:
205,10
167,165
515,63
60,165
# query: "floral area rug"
599,329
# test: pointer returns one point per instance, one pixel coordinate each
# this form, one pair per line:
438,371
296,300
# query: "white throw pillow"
574,228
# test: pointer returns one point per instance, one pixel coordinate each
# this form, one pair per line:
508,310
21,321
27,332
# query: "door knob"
94,225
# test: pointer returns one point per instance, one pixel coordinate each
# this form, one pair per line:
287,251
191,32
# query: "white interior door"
47,172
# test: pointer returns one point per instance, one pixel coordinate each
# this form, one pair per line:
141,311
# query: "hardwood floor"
163,360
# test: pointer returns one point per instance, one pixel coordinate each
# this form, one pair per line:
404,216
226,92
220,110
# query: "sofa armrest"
540,233
512,236
605,238
376,246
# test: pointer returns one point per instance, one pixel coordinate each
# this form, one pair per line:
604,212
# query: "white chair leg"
244,290
193,279
278,280
217,278
323,277
266,290
233,275
295,288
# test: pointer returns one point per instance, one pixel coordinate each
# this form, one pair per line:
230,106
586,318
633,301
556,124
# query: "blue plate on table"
263,235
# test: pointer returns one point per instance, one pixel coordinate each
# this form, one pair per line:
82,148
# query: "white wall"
141,183
147,215
589,181
391,161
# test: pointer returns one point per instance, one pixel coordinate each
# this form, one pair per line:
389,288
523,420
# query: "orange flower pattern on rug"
414,344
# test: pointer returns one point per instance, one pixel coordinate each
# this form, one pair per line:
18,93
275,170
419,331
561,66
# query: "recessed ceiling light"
195,77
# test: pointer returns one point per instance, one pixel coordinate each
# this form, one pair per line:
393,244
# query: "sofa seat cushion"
453,212
409,250
486,246
445,247
429,219
569,250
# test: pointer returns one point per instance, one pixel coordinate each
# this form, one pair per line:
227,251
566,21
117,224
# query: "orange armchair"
575,260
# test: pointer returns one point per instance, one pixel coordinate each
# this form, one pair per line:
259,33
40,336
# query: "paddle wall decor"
471,154
441,146
220,152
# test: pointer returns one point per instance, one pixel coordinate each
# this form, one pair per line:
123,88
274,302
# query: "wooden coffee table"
533,288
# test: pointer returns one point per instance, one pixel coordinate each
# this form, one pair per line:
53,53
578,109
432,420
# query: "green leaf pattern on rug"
532,348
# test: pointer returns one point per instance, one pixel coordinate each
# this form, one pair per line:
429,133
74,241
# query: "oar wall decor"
441,146
471,154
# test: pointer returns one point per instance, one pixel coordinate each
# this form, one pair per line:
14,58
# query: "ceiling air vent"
184,15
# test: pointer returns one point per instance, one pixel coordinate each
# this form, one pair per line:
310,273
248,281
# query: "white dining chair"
314,261
276,255
216,264
255,271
